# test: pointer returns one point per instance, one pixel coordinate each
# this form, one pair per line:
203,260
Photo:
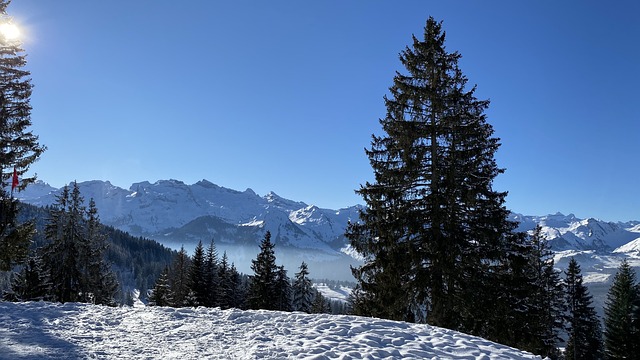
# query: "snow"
39,330
340,293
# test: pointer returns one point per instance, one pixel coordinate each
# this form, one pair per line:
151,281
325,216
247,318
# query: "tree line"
205,280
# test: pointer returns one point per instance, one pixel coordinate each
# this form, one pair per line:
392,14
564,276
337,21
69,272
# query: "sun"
9,31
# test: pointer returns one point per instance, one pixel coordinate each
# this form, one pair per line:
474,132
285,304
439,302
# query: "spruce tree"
302,290
545,301
283,290
101,281
161,294
74,256
433,229
19,147
179,278
197,278
621,334
584,329
31,283
225,293
262,286
62,254
211,279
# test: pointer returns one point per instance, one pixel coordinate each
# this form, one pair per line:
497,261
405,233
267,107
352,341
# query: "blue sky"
283,96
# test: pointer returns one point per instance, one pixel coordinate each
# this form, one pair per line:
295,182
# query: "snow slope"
71,331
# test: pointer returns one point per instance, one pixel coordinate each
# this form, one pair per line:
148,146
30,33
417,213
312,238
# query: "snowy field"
39,330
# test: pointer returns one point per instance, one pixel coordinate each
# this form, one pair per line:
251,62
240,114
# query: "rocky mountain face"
177,214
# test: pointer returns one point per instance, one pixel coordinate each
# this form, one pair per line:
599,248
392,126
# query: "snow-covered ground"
39,330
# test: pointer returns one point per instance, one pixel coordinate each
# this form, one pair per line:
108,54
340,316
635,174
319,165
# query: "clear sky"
283,96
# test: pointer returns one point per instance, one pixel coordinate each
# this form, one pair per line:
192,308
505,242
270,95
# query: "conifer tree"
31,283
226,286
19,147
74,257
197,278
62,254
584,329
302,290
621,334
179,278
262,286
545,301
282,290
433,229
238,291
211,279
161,294
102,283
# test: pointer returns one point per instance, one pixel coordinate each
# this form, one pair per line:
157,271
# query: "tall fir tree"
211,279
225,293
102,282
19,147
262,286
584,328
621,332
179,279
545,301
197,278
283,290
433,228
302,290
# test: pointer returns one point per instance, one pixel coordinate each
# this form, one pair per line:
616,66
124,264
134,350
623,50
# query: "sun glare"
9,31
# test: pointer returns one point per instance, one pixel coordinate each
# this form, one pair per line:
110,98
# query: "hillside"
71,331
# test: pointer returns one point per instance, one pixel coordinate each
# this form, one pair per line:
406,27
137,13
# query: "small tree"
161,294
302,290
262,285
584,329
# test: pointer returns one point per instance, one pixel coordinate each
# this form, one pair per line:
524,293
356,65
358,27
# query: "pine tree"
226,286
211,279
238,288
621,334
31,283
74,257
197,279
584,329
433,227
179,278
101,281
262,287
320,304
161,294
546,300
282,290
62,254
19,147
302,290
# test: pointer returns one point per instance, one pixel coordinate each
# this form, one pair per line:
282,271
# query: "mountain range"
176,214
